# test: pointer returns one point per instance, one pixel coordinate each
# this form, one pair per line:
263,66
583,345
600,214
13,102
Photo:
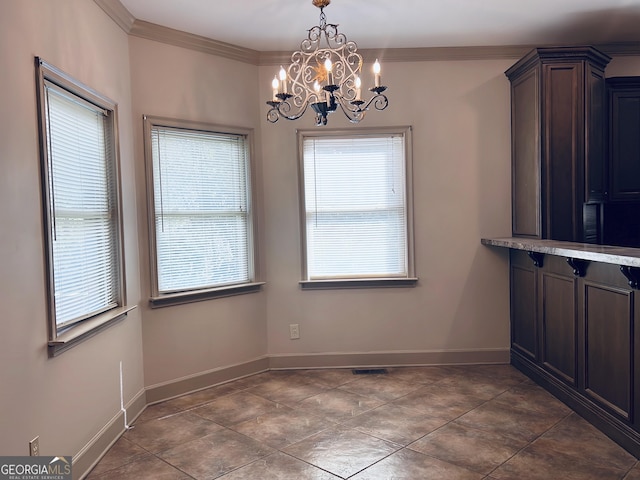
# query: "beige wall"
623,67
459,112
68,399
181,341
460,115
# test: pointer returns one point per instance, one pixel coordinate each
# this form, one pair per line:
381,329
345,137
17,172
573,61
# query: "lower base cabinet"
575,329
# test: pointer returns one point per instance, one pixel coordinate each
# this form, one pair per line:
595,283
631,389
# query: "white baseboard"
389,359
192,383
102,441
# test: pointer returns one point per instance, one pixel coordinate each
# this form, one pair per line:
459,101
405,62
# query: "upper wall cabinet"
624,138
558,107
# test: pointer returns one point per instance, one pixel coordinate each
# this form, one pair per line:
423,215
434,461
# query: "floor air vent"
369,371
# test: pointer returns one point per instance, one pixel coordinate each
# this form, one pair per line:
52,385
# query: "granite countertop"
584,251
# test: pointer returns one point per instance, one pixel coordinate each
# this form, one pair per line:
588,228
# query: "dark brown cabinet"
575,324
614,221
608,323
558,107
558,327
576,330
543,313
524,322
624,138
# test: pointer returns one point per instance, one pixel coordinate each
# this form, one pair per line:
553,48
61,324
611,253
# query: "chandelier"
325,77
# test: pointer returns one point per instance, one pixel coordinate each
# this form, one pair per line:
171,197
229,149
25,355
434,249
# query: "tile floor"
414,423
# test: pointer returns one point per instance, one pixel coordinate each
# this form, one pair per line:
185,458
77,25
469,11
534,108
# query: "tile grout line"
337,387
331,387
531,442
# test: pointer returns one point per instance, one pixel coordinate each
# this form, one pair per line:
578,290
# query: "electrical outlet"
294,331
34,447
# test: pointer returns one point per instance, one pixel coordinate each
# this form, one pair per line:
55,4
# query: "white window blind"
202,209
82,207
355,207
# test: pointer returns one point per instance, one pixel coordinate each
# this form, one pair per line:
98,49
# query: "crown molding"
620,49
448,53
178,38
152,31
118,13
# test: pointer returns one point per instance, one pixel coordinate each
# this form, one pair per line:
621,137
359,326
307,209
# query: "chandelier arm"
353,117
351,110
379,101
272,115
283,109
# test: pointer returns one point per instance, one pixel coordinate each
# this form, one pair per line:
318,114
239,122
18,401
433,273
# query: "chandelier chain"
323,19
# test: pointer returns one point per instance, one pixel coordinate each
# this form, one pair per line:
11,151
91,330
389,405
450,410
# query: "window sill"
358,283
87,329
200,295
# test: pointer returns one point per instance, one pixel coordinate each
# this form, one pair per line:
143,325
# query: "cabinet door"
595,117
563,154
624,133
525,155
608,314
558,319
608,347
524,330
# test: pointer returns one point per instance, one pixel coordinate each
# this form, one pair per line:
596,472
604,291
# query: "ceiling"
280,25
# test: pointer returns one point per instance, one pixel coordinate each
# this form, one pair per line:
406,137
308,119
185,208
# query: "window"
356,208
200,210
81,207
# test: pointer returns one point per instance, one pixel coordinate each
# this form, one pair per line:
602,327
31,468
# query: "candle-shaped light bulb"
376,71
328,66
275,84
358,88
283,80
316,86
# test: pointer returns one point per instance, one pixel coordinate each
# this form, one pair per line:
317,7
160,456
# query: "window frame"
158,299
76,331
410,280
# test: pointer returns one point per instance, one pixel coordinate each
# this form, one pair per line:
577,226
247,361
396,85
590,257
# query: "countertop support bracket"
579,266
633,275
537,258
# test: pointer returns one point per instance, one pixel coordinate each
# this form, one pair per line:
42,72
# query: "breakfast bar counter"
585,251
575,327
